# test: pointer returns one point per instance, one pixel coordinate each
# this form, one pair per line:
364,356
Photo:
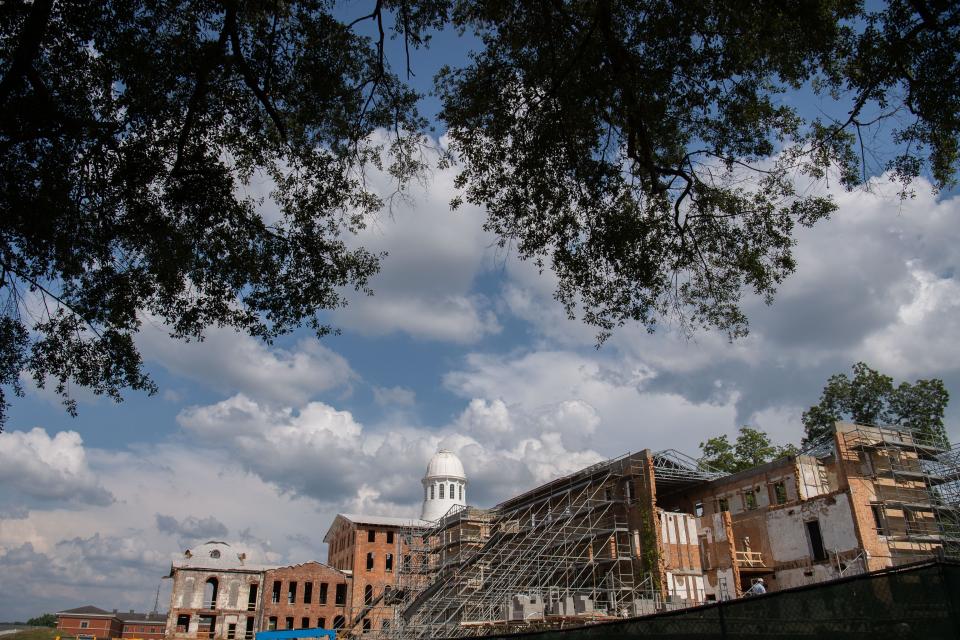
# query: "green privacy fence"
916,601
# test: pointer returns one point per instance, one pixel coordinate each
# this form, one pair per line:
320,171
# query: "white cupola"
444,485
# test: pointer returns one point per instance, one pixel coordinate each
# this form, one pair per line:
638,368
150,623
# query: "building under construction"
651,531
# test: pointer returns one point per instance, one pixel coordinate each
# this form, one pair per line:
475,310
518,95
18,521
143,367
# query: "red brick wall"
96,627
310,572
144,631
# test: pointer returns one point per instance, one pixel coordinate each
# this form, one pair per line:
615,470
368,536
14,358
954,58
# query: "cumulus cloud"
192,528
231,361
425,288
35,467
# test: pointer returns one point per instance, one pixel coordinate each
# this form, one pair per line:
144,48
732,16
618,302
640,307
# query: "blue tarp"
296,633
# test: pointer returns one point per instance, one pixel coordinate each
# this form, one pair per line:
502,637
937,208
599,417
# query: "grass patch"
37,633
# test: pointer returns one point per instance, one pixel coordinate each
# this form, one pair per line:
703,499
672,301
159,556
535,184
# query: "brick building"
89,623
306,596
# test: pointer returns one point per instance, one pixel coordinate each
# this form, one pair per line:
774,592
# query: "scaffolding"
916,482
560,551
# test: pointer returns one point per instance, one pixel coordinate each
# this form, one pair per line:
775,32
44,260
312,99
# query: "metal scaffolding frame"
564,541
917,485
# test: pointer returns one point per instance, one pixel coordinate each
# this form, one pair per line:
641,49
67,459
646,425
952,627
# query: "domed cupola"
444,485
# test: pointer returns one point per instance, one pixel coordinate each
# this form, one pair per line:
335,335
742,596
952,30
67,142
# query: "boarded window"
816,540
234,594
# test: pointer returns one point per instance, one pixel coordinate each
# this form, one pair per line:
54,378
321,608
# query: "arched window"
453,494
441,491
368,594
431,492
210,593
461,492
424,492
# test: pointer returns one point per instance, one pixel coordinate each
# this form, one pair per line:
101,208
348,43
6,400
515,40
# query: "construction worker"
757,589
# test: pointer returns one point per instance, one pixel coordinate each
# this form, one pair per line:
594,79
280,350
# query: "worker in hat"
758,588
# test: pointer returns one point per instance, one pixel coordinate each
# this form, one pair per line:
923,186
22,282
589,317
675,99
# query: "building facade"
90,623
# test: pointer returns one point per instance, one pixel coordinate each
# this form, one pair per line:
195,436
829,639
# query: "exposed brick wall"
316,613
231,607
378,577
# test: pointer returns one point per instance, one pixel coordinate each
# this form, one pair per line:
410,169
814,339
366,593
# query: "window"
292,594
816,540
431,492
387,590
424,492
697,509
272,623
321,623
304,623
441,490
388,562
210,593
307,592
368,594
289,622
322,599
183,623
341,597
275,598
750,499
607,493
385,624
371,536
85,624
252,598
461,497
231,631
723,504
453,494
780,492
370,561
406,563
338,621
389,537
248,635
366,624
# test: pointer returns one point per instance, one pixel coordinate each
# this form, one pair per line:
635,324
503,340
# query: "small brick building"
306,596
89,623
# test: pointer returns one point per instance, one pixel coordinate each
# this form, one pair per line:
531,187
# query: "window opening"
210,593
780,492
248,635
750,499
366,624
816,540
389,537
291,594
275,596
388,562
183,623
431,492
289,622
341,596
461,497
697,509
321,623
272,623
304,623
231,631
453,494
307,592
370,561
371,536
84,624
368,594
322,599
441,491
338,622
252,598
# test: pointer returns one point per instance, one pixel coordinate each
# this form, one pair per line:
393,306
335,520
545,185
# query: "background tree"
870,397
45,620
639,148
752,447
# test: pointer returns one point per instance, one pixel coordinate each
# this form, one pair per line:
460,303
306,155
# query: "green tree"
752,448
45,620
642,149
870,397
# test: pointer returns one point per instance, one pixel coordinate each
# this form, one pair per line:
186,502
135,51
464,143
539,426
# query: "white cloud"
231,361
394,396
37,468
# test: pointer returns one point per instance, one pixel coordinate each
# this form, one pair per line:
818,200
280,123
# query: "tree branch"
31,38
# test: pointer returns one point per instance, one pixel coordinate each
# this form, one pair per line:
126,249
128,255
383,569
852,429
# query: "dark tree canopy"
870,397
752,448
641,149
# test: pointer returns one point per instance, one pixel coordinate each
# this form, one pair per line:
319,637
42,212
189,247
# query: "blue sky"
462,346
